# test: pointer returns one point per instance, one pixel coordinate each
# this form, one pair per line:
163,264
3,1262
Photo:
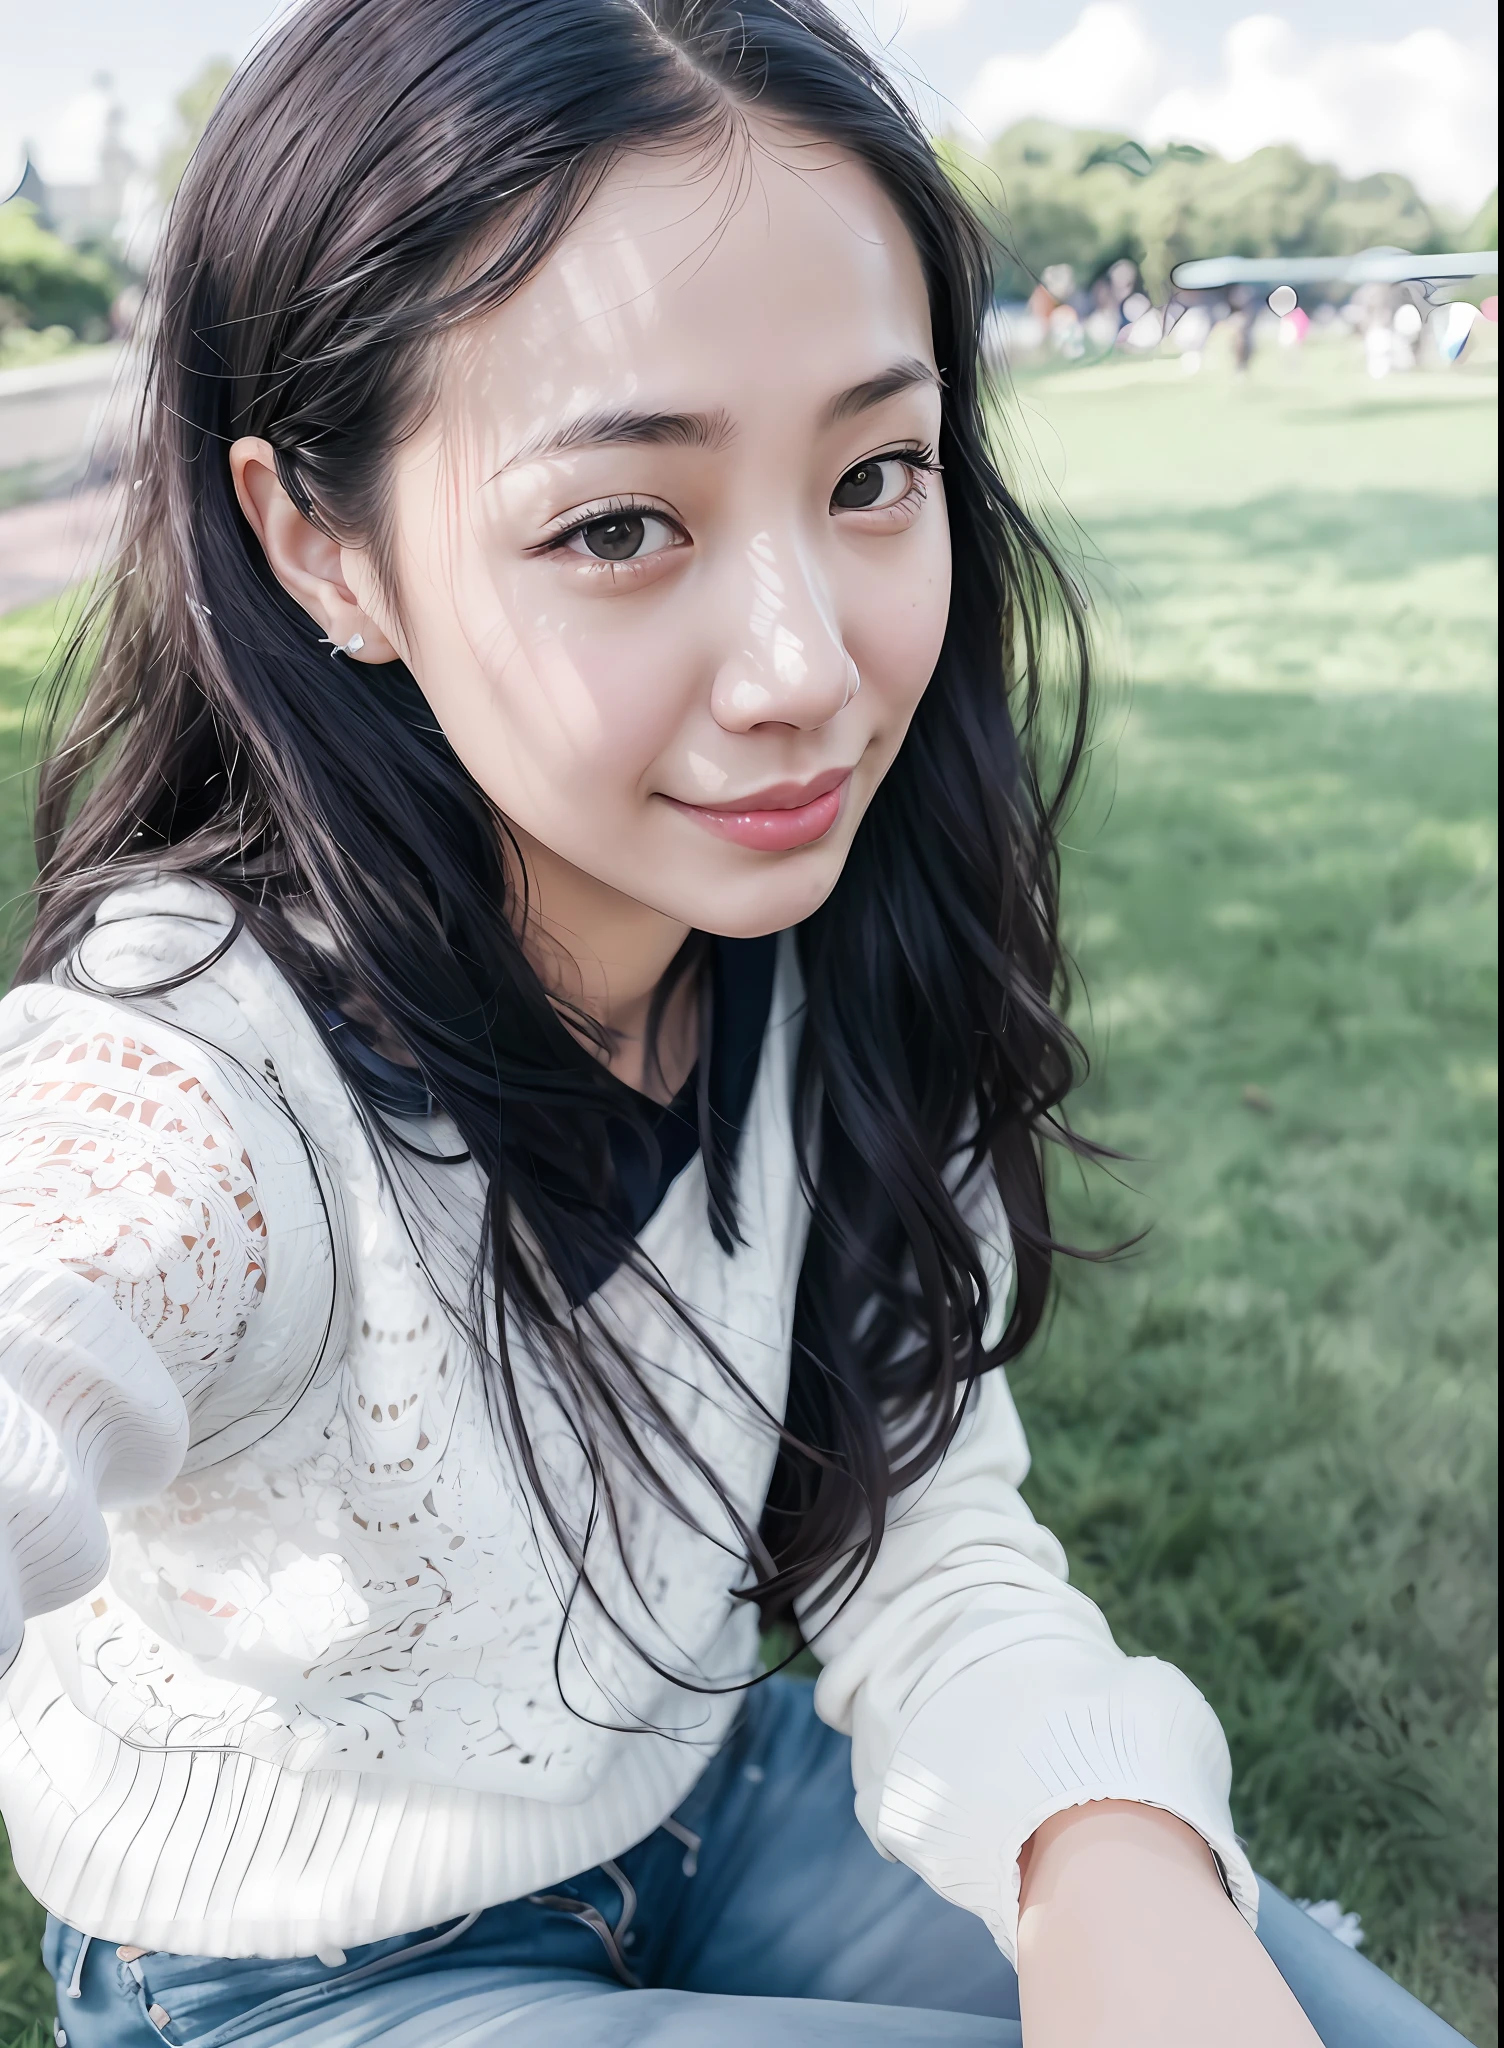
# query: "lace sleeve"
116,1162
132,1258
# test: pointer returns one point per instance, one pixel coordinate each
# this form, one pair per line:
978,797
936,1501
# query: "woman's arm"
1127,1939
984,1695
89,1419
132,1261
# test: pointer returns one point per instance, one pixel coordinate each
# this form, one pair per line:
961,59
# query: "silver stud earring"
351,646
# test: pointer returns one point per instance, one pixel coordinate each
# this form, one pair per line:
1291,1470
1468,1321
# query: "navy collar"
742,973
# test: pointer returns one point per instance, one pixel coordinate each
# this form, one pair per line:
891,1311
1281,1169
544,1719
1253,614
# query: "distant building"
93,210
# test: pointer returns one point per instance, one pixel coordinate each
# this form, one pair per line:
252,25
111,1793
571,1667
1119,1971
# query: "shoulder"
97,1008
144,944
169,1016
150,932
170,1056
167,961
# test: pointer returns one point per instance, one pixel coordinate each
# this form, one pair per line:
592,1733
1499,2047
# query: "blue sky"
1371,84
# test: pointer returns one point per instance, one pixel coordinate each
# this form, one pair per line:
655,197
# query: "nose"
788,663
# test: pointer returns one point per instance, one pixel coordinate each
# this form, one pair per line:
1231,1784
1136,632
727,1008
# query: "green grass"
1266,1436
26,640
25,637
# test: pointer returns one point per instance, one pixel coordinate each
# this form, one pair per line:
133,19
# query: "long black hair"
380,172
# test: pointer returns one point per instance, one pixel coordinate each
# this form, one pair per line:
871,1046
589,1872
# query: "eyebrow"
621,427
859,398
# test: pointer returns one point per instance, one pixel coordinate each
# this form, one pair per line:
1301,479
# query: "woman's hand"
1127,1940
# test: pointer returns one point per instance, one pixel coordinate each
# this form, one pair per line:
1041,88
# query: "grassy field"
1266,1437
1266,1440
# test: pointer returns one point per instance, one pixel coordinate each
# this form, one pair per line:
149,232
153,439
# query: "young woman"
521,1120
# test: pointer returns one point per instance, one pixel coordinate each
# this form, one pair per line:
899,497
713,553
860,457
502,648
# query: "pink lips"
776,819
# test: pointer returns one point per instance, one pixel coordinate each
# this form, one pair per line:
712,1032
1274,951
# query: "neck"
599,951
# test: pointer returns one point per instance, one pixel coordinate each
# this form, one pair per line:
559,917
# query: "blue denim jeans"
759,1913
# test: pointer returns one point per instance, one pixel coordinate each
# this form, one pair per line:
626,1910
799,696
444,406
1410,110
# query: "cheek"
899,624
548,715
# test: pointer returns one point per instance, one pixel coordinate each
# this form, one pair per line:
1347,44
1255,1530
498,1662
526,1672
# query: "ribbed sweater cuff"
986,1761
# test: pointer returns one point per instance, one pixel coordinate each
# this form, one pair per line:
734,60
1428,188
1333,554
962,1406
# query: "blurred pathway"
46,546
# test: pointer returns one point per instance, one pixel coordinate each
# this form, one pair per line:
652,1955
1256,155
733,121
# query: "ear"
309,565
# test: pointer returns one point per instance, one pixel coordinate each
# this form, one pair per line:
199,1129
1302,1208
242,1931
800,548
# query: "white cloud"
1101,74
1425,104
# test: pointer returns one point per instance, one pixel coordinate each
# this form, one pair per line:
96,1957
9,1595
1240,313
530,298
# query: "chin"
773,901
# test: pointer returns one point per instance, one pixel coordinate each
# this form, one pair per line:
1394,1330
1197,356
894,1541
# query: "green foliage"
193,105
1482,231
22,348
1087,197
45,283
1265,1437
27,639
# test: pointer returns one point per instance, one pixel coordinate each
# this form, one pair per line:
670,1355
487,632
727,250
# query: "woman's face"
670,557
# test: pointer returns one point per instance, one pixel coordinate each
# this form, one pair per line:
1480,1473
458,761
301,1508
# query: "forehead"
708,275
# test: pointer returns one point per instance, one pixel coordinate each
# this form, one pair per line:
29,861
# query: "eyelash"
917,454
919,458
609,508
921,462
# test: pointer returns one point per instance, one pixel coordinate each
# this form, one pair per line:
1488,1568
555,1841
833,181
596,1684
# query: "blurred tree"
1087,197
45,283
194,104
1482,231
1043,206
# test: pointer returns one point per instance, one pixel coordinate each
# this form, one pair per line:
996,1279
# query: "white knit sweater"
287,1675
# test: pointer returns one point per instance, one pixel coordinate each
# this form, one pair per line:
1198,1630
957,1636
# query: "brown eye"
623,537
880,484
616,539
861,487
